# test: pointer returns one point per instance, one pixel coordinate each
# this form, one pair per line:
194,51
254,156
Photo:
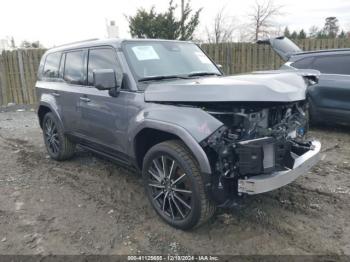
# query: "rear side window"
304,63
101,58
339,64
74,68
51,66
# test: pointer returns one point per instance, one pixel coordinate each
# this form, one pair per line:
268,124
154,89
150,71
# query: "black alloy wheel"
51,136
57,143
170,187
175,186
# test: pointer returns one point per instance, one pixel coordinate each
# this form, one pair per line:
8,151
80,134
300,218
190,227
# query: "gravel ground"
90,206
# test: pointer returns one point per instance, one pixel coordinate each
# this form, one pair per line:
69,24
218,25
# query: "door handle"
55,94
84,99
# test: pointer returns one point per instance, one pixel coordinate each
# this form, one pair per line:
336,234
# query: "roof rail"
77,42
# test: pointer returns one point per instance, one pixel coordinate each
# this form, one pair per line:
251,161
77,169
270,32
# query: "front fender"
198,123
191,125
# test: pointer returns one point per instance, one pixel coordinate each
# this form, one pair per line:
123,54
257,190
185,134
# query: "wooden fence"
246,57
18,68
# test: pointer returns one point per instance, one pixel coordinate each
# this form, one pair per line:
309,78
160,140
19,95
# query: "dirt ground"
91,206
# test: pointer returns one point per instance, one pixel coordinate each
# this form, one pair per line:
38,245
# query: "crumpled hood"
269,86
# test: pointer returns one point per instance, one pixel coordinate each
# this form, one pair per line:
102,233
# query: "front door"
104,117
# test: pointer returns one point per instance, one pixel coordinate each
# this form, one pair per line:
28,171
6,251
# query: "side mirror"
219,66
104,79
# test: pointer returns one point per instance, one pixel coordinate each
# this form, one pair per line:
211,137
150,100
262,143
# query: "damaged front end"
261,147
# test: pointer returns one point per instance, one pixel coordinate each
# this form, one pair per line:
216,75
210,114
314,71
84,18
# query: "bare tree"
313,31
243,35
223,28
262,15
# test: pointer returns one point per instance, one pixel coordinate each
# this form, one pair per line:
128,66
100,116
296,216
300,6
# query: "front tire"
57,144
175,186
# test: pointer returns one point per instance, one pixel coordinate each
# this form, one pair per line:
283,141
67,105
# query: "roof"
323,51
115,42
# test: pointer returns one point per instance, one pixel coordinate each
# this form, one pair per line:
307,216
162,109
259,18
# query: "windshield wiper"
150,78
204,74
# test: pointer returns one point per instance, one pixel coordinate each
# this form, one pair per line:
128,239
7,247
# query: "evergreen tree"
302,34
150,24
342,34
331,27
294,35
286,32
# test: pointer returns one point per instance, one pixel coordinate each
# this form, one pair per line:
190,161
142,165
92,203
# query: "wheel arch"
42,111
147,138
45,108
151,132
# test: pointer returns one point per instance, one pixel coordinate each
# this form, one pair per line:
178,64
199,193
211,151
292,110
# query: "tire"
167,193
57,144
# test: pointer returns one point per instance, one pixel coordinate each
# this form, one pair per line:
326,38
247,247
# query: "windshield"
160,60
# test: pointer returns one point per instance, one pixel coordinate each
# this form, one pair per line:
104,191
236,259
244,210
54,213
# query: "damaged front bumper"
267,182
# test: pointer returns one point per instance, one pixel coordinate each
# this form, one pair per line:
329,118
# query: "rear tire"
175,186
57,143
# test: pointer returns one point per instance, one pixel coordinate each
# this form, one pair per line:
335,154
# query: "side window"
102,58
304,63
51,66
74,68
337,64
61,69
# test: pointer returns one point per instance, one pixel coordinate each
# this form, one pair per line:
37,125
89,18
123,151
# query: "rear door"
283,46
74,81
51,81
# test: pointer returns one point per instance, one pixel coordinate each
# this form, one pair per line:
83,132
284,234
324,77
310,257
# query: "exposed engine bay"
256,139
252,147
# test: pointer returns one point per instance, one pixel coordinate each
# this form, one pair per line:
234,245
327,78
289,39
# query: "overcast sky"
62,21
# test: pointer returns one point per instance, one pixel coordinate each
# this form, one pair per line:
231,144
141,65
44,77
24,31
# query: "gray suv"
199,138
